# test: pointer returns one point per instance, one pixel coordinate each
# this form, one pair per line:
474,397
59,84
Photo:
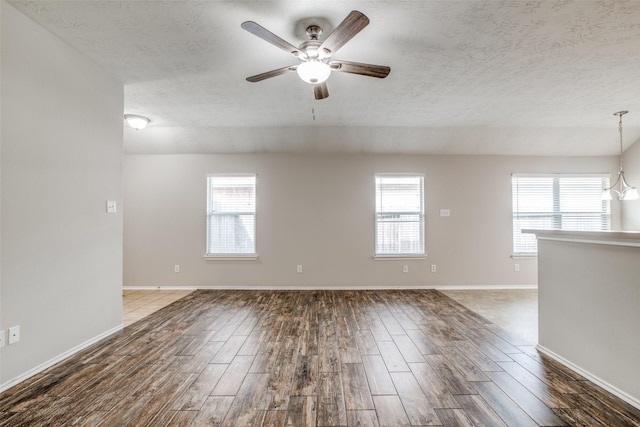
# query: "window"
399,215
231,215
557,202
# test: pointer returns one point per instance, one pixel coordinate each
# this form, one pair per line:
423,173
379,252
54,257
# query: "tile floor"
515,310
137,304
161,387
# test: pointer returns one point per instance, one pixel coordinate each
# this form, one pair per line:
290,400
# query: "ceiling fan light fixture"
313,71
137,122
314,56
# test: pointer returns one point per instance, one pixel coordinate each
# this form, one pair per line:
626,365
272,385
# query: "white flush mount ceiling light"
625,191
136,122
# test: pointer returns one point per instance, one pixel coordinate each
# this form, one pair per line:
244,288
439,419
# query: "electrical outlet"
433,268
176,268
111,206
2,338
14,334
405,268
299,269
516,267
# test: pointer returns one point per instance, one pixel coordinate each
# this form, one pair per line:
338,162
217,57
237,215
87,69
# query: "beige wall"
588,309
631,208
61,145
317,210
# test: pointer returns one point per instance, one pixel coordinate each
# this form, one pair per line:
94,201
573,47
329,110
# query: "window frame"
421,221
232,255
556,215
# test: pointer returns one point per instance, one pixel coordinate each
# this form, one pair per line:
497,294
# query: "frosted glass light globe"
313,71
136,122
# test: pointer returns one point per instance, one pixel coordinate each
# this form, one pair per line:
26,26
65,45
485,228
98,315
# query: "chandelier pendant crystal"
624,191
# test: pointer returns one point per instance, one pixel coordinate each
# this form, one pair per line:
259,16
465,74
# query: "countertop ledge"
620,238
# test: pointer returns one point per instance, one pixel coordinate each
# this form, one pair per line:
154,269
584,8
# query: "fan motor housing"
310,47
314,31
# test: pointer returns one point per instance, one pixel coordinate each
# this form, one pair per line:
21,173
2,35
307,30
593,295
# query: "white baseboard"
320,287
15,381
273,288
593,378
484,287
160,288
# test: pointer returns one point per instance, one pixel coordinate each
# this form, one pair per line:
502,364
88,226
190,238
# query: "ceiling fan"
315,56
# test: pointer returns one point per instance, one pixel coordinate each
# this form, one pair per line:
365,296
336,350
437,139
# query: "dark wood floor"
307,358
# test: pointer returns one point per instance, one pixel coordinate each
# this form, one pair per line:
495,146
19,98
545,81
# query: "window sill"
249,257
524,256
397,257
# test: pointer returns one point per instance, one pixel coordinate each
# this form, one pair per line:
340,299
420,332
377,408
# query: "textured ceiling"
467,77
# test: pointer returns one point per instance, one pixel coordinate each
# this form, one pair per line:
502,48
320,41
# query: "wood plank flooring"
312,358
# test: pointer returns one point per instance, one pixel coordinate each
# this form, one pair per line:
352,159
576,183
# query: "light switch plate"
445,212
111,206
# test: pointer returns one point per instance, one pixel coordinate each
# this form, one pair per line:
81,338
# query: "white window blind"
231,215
557,202
399,215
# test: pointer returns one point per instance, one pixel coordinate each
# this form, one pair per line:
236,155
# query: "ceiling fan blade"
349,27
379,71
266,35
272,73
320,90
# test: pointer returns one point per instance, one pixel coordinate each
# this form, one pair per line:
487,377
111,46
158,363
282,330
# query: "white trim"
484,287
330,288
591,241
524,256
302,287
240,174
633,401
421,214
615,238
561,175
401,174
297,287
251,257
59,358
160,288
233,256
398,257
